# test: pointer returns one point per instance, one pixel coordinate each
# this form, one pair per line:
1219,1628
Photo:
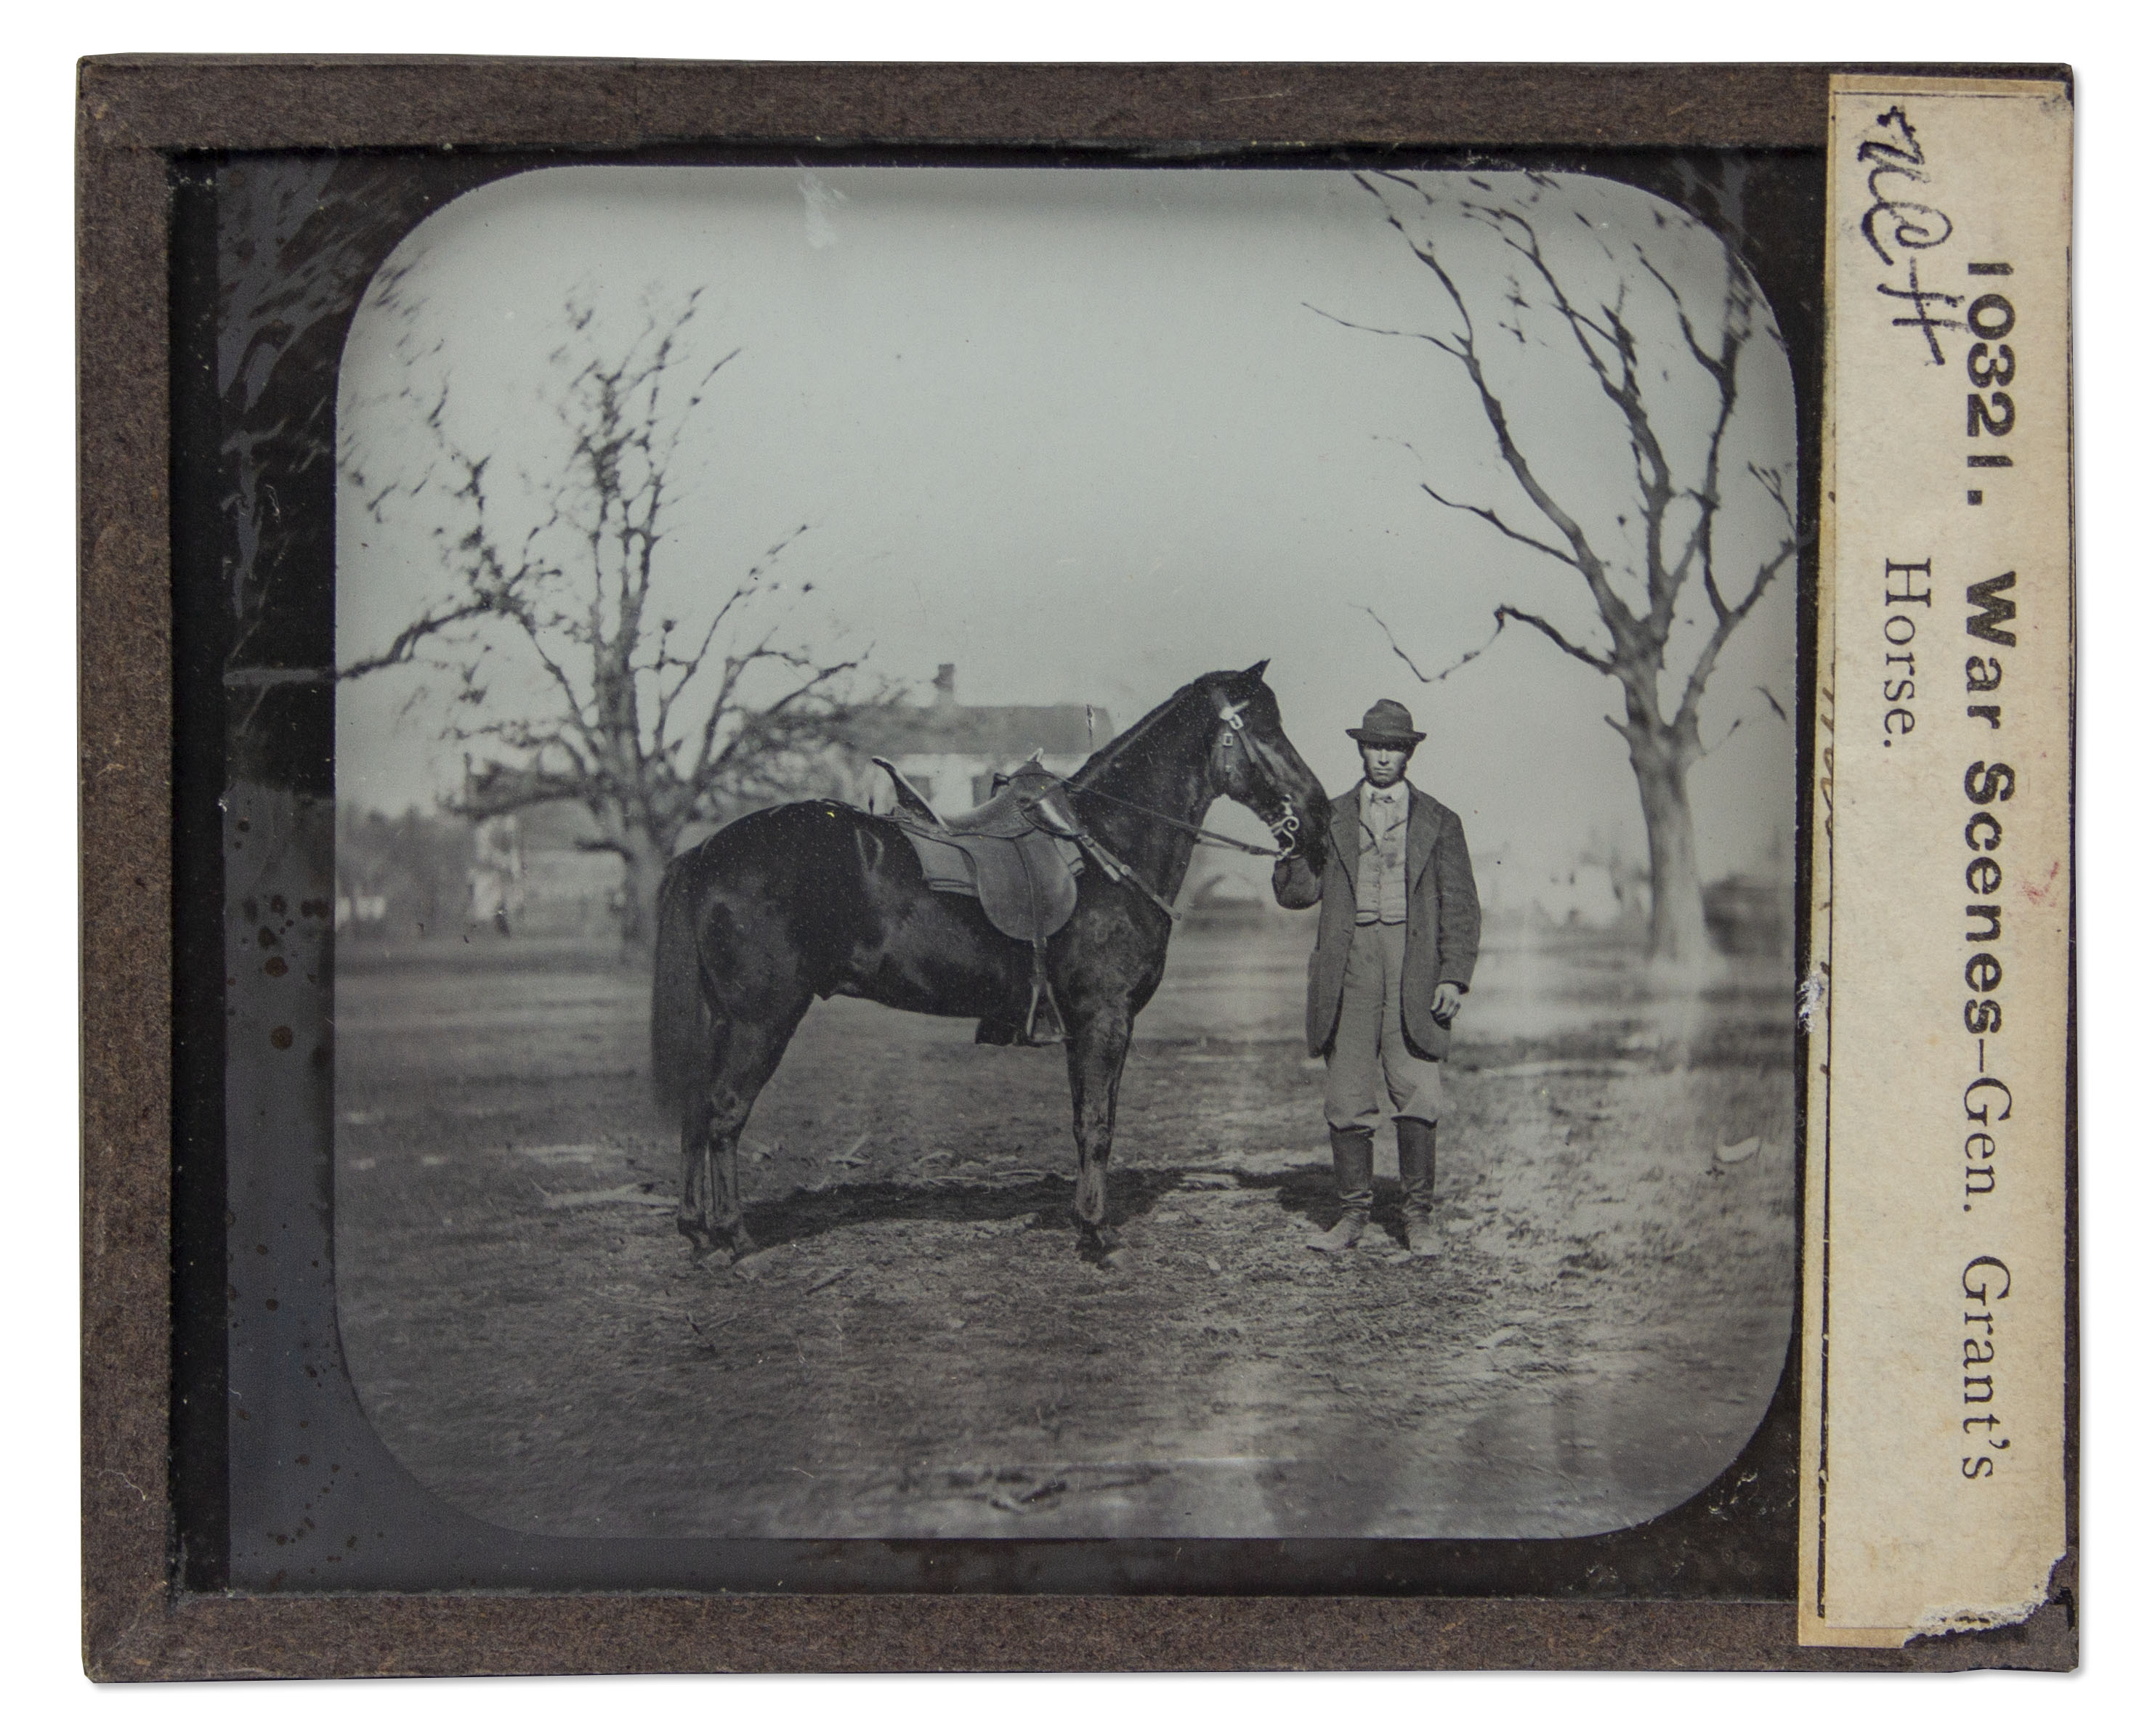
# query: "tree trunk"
1676,928
645,867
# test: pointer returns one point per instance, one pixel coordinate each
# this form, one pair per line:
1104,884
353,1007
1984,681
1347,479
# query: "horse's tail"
680,1021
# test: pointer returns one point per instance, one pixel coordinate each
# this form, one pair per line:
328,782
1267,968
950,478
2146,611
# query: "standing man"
1395,946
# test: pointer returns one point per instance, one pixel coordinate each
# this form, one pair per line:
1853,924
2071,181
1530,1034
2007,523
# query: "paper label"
1935,1270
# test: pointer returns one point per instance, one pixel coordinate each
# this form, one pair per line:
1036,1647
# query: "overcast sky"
1085,434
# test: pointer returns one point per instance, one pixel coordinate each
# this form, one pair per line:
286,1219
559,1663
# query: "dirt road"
919,1352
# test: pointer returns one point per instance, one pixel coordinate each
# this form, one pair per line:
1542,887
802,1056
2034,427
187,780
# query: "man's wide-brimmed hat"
1388,724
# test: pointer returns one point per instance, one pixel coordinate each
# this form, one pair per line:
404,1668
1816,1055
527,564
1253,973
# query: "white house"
950,753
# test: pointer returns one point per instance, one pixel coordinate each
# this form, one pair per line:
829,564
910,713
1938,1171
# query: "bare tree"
649,723
1640,598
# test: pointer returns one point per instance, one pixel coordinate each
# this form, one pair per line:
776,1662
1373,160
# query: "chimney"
946,687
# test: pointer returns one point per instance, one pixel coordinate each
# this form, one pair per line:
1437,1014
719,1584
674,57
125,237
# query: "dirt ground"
920,1352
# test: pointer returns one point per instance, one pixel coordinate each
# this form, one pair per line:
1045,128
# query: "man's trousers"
1369,1054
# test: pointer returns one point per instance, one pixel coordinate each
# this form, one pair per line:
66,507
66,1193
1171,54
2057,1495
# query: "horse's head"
1253,763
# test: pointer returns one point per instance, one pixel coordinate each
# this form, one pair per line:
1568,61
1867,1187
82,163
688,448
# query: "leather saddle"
1019,853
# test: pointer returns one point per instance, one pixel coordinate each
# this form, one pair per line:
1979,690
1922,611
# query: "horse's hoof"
1098,1244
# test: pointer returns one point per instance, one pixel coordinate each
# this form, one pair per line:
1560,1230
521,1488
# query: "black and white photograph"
1091,852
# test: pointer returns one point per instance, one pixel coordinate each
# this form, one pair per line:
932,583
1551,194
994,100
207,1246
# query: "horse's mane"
1108,755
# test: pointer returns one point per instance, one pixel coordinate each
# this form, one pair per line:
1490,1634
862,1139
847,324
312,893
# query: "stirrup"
1043,1019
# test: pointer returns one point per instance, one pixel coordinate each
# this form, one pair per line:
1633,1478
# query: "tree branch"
404,648
1505,611
1489,516
1686,717
1391,639
608,741
1613,612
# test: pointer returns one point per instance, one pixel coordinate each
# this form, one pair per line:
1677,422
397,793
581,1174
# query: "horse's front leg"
1096,1051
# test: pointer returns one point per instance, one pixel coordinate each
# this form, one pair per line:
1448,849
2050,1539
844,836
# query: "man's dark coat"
1444,917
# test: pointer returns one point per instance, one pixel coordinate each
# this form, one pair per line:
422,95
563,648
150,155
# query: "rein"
1217,838
1286,829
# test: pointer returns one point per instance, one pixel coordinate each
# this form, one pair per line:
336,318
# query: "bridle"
1233,738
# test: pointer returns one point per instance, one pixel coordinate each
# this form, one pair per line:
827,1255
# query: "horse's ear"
1255,671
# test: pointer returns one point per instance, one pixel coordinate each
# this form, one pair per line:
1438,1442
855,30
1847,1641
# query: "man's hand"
1446,1002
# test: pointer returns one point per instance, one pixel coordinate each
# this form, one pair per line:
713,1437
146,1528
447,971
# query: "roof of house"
555,825
985,732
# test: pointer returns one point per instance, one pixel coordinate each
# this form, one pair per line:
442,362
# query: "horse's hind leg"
743,1057
693,1217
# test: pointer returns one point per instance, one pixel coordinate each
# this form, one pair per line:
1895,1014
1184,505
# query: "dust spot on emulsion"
822,201
281,1037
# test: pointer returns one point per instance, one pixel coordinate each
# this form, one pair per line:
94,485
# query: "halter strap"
1221,838
1286,830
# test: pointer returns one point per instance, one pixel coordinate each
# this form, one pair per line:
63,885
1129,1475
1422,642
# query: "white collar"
1398,792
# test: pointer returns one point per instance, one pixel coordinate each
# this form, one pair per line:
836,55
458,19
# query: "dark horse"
818,898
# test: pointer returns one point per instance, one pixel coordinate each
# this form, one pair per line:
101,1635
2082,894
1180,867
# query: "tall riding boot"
1418,1183
1352,1164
